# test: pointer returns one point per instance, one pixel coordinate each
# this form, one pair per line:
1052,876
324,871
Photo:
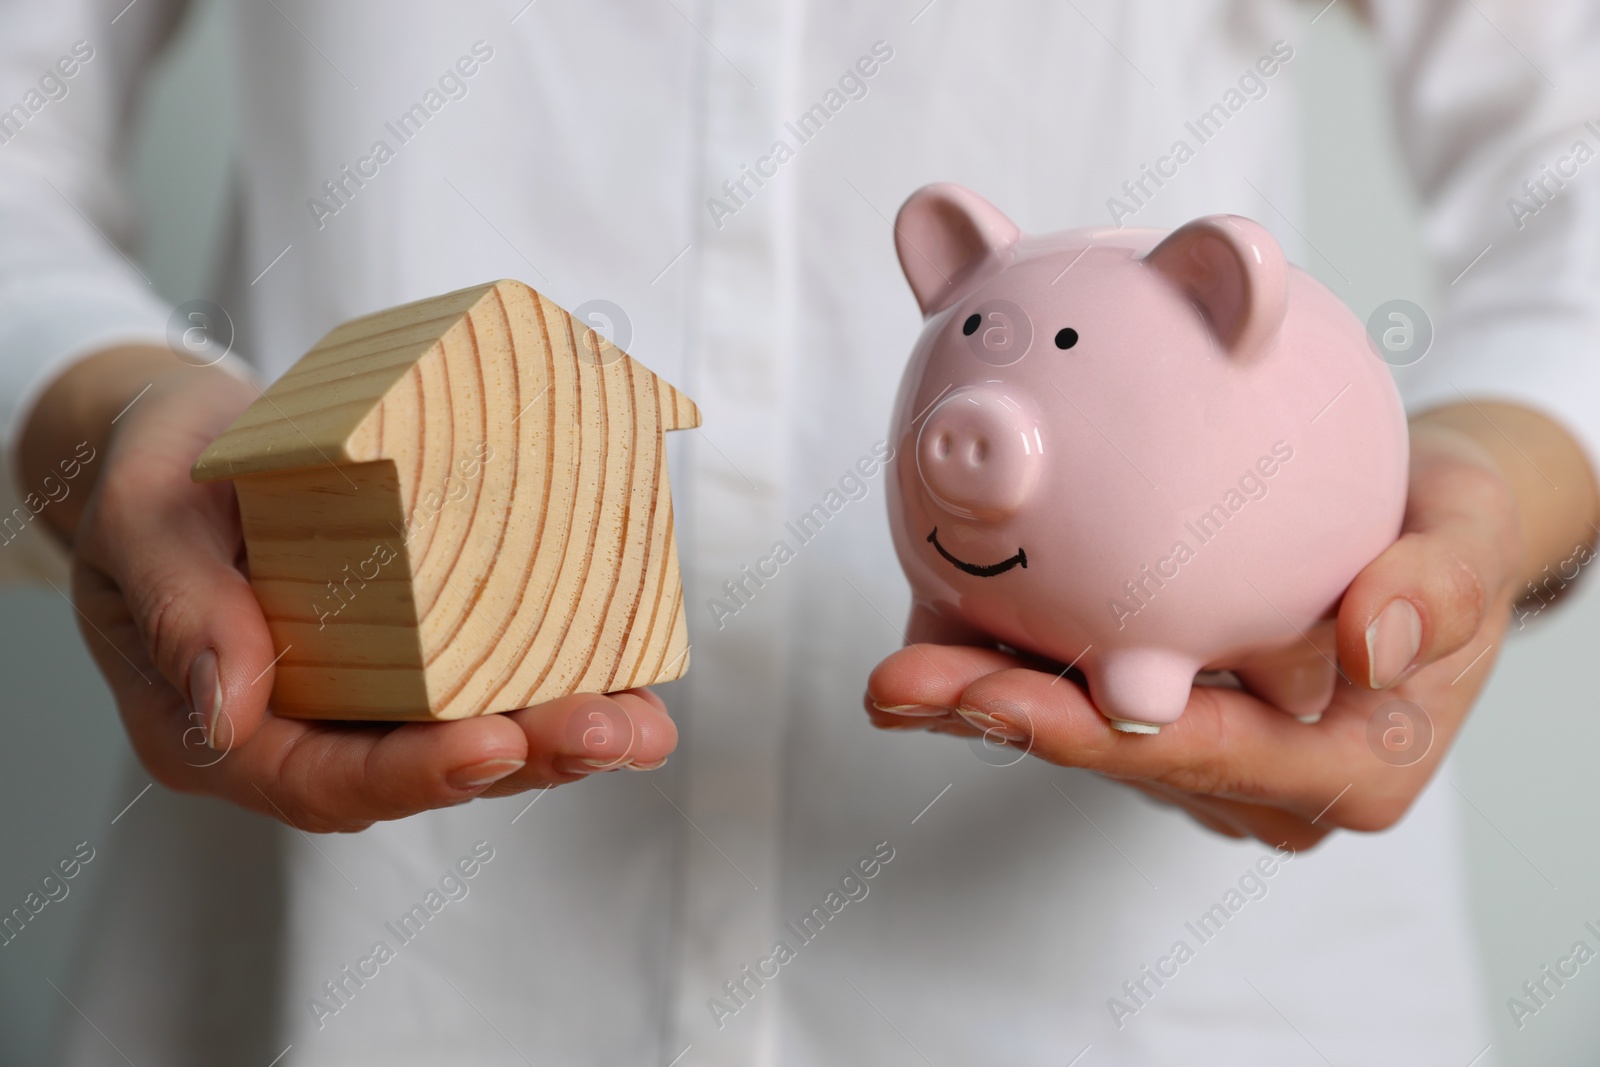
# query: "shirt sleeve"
70,72
1498,120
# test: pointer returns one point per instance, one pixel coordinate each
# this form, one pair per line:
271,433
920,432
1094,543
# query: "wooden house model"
460,506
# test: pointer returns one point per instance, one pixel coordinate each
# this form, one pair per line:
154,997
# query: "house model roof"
331,407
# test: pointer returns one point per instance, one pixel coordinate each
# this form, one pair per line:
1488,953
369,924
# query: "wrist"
74,419
1555,503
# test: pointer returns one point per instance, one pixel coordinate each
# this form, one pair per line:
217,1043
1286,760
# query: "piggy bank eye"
1066,338
970,327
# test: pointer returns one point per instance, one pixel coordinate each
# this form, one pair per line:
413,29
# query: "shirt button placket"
728,784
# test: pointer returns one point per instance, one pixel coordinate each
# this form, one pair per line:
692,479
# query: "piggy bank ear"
946,236
1235,273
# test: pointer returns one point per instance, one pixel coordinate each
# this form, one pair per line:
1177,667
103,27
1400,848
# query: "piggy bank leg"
1141,689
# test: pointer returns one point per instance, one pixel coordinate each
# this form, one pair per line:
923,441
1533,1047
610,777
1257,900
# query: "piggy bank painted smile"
1140,453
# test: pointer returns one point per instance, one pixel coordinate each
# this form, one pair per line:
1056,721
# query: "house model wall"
460,506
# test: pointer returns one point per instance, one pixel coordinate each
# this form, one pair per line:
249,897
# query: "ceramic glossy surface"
1139,452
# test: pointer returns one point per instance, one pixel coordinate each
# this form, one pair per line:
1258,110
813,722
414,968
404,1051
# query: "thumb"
1430,591
170,546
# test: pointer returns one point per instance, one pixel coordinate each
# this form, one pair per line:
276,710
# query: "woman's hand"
170,619
1497,493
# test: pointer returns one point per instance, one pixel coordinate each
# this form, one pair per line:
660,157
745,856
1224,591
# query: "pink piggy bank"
1141,453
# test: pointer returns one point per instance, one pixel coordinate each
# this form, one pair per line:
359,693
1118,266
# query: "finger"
1235,819
1299,678
169,741
584,734
913,718
325,778
110,635
930,677
1428,593
350,777
170,547
1198,810
1226,744
1270,825
649,696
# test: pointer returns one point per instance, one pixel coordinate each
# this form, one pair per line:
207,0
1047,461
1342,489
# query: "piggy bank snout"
979,453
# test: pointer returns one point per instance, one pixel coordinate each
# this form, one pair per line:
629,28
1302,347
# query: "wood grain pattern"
461,506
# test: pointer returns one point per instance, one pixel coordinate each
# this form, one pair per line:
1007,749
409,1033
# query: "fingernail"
601,734
990,725
1393,640
575,765
912,711
205,693
478,775
656,766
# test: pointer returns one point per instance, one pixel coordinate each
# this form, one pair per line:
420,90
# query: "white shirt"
588,156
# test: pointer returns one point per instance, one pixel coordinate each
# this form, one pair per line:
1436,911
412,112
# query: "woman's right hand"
169,617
